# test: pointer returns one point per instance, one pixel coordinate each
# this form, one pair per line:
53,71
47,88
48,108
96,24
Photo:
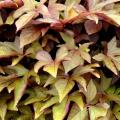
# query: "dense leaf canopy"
59,59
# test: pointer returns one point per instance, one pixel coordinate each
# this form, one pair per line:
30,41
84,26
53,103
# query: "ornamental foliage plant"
59,59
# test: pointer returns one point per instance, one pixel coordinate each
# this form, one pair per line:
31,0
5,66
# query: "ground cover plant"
59,59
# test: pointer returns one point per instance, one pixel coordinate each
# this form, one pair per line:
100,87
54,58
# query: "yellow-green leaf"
98,111
77,114
49,103
37,106
3,110
61,53
52,68
91,91
75,60
63,87
60,110
20,86
77,98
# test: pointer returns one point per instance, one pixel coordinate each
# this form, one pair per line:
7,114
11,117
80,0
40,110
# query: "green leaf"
77,114
116,111
68,40
84,51
77,98
91,91
20,86
37,106
19,69
50,81
49,103
75,60
52,68
16,60
81,81
61,54
98,111
6,52
36,94
105,82
11,87
3,111
63,87
9,20
60,110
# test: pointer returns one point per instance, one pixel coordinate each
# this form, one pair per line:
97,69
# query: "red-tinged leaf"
61,53
60,110
44,56
29,35
91,27
63,87
52,68
8,4
19,2
24,20
110,17
110,65
20,86
94,18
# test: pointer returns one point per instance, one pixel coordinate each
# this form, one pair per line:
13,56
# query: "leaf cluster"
59,59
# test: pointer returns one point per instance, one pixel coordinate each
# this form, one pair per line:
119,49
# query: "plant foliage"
59,59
